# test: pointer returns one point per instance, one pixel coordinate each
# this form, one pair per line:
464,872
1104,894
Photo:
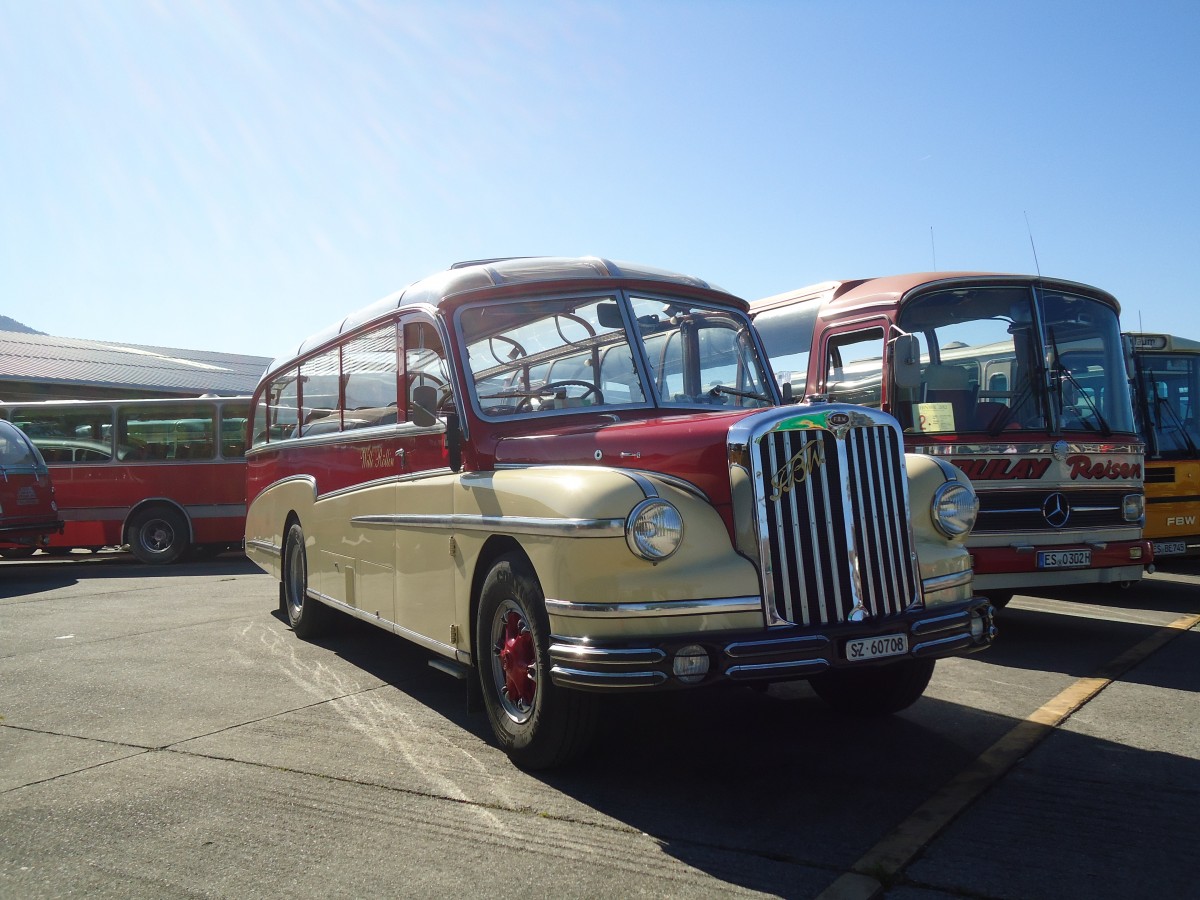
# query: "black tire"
538,724
875,691
17,552
59,551
157,536
999,599
309,618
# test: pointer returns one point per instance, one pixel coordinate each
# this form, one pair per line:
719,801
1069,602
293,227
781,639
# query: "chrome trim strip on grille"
643,656
654,609
1028,448
944,582
940,643
508,524
563,676
808,666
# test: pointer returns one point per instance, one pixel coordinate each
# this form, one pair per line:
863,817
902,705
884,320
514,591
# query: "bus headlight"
1132,507
955,507
654,530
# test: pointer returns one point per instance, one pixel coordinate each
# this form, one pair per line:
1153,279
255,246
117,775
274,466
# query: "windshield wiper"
1064,371
719,389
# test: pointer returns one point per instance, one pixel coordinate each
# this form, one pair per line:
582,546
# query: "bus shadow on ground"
771,791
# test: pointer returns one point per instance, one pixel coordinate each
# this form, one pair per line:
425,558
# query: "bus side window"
425,365
854,368
369,379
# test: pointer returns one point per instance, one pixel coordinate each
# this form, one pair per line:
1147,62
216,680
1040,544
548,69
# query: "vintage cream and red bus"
28,509
1019,381
565,476
1167,401
163,476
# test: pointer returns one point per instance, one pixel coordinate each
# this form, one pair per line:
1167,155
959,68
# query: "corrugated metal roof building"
40,367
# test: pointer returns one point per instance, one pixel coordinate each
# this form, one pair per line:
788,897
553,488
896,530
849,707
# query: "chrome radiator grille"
834,534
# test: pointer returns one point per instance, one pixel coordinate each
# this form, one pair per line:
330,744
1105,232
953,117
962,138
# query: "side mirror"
906,360
609,315
424,403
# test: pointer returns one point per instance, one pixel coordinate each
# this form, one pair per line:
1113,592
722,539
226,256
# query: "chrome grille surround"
831,508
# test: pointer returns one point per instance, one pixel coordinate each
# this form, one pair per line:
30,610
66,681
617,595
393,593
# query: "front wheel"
309,618
157,536
876,691
538,724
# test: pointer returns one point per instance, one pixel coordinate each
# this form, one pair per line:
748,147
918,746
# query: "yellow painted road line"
887,859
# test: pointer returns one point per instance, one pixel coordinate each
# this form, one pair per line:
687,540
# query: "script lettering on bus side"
376,456
1083,467
1002,469
797,469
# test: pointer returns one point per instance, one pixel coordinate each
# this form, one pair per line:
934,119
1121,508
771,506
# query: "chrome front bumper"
783,654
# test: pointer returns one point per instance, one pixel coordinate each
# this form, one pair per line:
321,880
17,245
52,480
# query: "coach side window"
369,379
425,365
319,395
283,401
854,368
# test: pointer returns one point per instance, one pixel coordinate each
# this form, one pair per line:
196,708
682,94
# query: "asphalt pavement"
163,734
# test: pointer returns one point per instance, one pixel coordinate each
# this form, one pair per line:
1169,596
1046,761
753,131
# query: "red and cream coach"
566,476
1020,381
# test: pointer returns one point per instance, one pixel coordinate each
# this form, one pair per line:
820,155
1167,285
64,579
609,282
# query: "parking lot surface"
163,734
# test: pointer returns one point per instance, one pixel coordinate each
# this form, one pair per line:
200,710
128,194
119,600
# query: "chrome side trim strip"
653,609
507,524
943,582
265,547
427,642
1027,448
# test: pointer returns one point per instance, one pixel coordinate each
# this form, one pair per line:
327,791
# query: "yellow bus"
1166,393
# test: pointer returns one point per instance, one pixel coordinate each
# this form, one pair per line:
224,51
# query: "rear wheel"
157,536
537,724
308,617
876,691
17,552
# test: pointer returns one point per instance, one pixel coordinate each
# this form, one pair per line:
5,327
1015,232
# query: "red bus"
1019,381
162,476
28,511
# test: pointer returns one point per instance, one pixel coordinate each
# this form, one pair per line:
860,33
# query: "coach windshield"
545,356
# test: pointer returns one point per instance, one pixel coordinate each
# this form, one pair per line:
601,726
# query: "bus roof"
890,290
1159,342
463,280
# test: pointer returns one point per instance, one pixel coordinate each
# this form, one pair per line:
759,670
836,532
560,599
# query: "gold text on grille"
797,469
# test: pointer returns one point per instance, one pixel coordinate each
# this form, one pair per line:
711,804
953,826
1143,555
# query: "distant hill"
7,324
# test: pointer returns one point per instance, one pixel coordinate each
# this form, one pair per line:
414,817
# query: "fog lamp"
690,664
977,626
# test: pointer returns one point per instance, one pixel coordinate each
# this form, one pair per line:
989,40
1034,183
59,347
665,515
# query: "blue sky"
234,176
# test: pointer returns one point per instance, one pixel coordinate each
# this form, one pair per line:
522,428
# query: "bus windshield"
1169,384
542,356
997,359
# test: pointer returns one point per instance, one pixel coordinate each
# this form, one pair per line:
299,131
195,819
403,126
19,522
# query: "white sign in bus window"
935,416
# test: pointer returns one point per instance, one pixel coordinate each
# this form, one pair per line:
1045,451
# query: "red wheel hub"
515,649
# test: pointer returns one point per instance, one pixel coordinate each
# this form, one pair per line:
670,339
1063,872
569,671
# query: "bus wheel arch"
538,724
158,532
308,618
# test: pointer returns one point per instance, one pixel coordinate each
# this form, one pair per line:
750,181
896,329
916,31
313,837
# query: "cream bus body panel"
584,569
